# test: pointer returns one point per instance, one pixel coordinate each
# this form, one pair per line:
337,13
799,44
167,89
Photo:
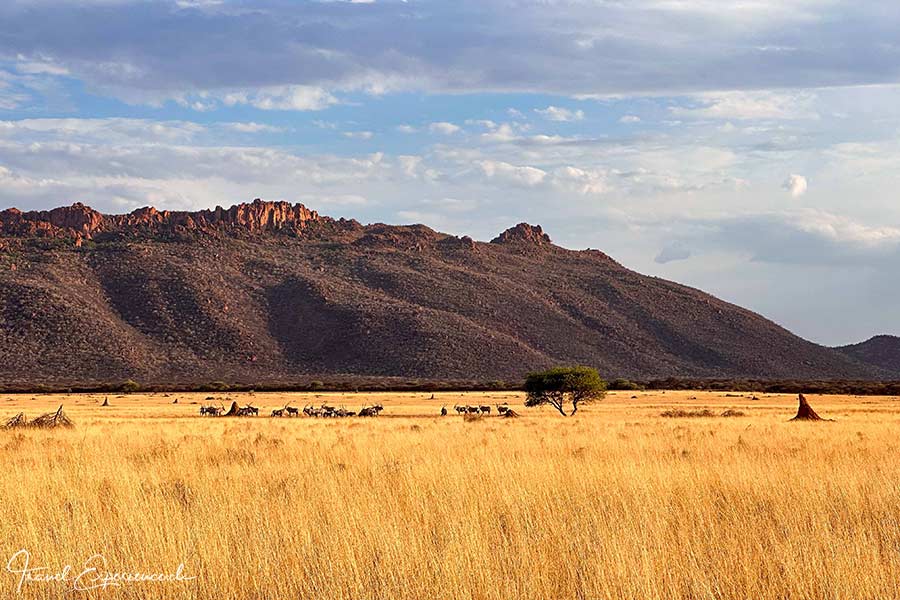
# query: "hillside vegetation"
267,292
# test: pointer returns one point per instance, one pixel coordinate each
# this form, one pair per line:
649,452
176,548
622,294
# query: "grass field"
616,502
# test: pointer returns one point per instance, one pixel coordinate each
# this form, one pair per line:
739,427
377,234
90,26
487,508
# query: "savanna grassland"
616,502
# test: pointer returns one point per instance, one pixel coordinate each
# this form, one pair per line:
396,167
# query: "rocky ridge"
82,222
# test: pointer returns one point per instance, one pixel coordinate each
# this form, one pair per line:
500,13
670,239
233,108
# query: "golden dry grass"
616,502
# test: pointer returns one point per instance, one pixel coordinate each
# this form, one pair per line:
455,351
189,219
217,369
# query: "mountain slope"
269,291
881,351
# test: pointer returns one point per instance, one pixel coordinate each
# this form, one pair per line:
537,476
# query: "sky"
748,147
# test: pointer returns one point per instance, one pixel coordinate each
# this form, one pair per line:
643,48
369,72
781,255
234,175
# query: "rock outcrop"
80,221
71,221
523,232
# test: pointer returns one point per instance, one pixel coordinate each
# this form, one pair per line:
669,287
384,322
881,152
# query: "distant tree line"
397,384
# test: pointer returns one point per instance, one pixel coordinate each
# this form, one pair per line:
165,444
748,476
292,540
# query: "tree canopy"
561,385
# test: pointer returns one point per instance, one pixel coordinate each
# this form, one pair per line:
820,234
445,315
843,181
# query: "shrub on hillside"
214,386
130,385
624,384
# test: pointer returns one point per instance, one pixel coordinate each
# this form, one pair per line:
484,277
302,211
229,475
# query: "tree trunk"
558,401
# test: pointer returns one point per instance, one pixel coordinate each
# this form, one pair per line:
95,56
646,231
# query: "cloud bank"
278,55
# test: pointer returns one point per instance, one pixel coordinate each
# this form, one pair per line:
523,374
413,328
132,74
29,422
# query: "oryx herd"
290,411
339,411
328,411
238,411
481,409
286,411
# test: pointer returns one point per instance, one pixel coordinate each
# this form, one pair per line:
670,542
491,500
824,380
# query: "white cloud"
406,129
485,123
290,97
39,66
409,164
443,128
197,3
201,106
11,96
517,175
628,119
583,181
451,205
594,49
796,185
110,130
119,164
796,236
323,202
672,252
10,100
502,133
842,230
418,216
251,127
752,105
556,113
358,135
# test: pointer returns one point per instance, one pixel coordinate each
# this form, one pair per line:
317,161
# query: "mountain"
269,291
881,351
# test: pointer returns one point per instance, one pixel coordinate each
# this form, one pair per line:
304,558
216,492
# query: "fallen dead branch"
46,421
52,420
17,421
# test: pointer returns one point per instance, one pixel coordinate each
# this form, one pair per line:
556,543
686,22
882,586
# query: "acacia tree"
557,386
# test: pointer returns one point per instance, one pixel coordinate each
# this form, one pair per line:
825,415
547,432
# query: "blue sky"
748,148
